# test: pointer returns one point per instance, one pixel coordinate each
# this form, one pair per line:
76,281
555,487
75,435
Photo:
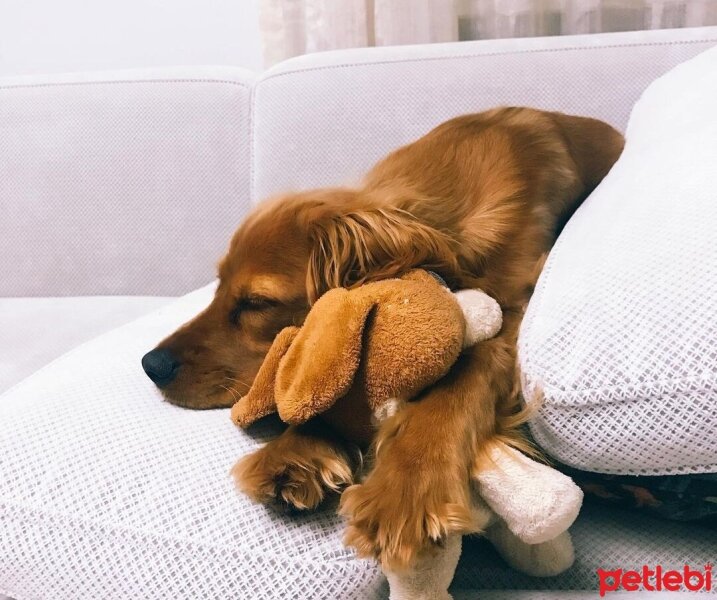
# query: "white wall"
51,36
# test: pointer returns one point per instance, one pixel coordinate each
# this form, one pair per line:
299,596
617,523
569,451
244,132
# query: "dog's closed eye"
251,304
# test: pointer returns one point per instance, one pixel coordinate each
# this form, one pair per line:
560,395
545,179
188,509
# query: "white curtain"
293,27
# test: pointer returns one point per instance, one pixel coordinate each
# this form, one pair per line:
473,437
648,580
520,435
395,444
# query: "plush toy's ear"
319,367
260,400
536,502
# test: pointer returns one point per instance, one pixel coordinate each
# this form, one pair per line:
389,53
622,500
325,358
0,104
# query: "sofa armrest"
127,182
325,119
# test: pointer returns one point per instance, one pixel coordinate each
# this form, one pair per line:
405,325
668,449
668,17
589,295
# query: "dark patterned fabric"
677,497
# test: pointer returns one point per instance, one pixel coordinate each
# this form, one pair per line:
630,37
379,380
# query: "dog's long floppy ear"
320,365
260,401
351,247
594,146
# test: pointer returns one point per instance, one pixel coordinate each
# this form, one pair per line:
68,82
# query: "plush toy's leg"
431,575
536,501
539,560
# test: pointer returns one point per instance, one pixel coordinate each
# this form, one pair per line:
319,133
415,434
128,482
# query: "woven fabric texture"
110,493
619,339
131,183
325,119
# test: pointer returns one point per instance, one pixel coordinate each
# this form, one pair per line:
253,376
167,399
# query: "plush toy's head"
383,340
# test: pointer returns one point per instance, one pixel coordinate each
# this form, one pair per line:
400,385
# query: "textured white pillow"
621,335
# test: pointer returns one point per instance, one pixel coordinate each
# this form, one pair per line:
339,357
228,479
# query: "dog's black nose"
160,366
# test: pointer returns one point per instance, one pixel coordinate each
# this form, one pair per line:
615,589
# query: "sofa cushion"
620,339
38,330
109,492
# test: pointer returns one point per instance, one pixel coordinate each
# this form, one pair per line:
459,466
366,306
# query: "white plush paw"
429,577
483,315
538,560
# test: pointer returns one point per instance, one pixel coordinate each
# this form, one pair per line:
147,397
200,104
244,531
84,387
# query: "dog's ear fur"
594,146
351,247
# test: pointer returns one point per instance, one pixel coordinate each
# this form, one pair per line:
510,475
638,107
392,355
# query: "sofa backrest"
128,182
325,119
132,182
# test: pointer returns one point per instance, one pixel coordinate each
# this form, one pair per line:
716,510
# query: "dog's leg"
419,489
298,469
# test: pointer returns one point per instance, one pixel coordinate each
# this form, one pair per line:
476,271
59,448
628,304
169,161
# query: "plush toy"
361,352
358,348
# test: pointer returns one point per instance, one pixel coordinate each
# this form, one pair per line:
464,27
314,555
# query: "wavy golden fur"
480,200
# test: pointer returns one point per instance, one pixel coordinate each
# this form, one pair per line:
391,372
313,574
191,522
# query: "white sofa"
118,193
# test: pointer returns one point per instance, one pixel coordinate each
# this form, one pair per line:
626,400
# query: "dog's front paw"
394,517
293,478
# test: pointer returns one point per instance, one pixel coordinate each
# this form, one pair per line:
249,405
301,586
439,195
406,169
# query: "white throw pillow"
620,338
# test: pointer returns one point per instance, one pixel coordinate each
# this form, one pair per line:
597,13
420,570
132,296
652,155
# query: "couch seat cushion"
620,339
109,492
34,331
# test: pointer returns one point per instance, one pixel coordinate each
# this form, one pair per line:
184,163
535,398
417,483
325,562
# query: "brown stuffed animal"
384,340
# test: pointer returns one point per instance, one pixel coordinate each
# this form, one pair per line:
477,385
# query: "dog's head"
284,256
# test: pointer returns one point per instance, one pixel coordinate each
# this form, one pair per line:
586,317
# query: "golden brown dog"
480,200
